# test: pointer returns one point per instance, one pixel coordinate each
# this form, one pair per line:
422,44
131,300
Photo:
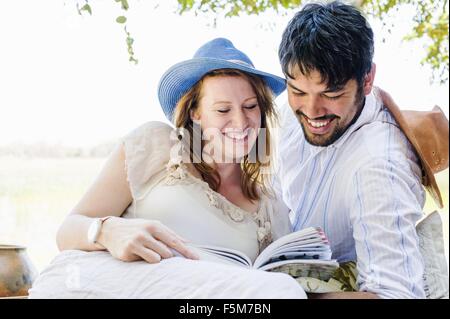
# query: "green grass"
36,195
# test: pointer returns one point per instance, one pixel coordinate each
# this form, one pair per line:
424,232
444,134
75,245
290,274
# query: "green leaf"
125,5
87,8
186,5
132,59
121,19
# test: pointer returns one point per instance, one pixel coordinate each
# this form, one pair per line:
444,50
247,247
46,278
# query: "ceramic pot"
17,272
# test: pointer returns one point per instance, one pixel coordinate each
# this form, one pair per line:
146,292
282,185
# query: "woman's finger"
174,242
157,246
147,254
182,239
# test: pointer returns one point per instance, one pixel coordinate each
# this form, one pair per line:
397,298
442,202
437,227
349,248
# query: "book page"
320,269
301,249
310,237
326,255
221,254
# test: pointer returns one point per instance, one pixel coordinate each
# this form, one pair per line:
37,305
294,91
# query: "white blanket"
78,274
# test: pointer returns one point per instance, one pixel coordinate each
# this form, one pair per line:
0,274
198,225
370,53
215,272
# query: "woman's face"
229,116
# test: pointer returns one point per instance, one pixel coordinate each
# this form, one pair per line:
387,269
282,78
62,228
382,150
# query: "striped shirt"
365,192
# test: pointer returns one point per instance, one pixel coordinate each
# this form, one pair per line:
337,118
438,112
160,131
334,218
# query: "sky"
66,79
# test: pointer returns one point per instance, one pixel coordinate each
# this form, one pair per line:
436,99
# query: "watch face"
93,231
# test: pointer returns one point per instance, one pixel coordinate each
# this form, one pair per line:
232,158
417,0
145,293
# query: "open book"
304,253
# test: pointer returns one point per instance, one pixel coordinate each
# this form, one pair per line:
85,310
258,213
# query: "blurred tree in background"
430,21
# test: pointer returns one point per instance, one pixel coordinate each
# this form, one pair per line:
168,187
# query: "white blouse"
163,189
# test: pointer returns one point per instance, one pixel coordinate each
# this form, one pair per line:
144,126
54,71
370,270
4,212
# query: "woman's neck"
230,173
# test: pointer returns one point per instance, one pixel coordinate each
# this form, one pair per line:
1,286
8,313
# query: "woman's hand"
136,239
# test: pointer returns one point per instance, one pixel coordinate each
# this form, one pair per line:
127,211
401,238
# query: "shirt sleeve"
281,214
386,203
278,213
147,152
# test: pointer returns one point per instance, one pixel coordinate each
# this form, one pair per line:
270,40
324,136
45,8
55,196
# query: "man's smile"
320,126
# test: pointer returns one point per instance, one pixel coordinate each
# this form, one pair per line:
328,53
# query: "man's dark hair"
333,39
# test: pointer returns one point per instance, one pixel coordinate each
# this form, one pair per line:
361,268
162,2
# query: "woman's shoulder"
147,152
150,135
150,128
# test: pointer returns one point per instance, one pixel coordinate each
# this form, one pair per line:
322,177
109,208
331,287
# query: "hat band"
242,63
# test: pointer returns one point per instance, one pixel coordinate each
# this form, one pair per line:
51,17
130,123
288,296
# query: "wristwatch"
95,228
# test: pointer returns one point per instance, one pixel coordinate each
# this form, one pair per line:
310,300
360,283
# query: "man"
344,163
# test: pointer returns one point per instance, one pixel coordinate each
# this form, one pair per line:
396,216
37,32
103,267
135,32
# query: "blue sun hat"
216,54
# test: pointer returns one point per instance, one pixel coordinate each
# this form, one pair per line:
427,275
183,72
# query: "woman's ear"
369,79
194,114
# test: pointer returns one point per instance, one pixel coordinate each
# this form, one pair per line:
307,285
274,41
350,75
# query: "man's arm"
386,202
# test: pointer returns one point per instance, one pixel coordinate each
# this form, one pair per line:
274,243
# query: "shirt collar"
368,114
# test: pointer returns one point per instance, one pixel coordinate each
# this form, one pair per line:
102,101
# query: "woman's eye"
223,111
251,106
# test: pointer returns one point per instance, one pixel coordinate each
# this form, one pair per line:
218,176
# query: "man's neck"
353,121
358,113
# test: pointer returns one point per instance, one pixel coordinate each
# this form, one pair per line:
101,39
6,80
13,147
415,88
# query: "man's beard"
339,130
319,140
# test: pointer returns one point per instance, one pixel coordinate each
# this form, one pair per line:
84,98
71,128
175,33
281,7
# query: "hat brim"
428,179
182,76
431,184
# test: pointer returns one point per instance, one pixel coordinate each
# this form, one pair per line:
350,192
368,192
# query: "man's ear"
368,80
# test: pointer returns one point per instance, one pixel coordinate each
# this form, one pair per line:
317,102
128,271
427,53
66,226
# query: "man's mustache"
321,118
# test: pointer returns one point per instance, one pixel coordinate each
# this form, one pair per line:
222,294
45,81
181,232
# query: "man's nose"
312,107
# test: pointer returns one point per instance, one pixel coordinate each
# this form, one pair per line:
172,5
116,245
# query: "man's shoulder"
380,139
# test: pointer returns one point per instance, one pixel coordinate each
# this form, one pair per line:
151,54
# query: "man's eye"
333,97
296,93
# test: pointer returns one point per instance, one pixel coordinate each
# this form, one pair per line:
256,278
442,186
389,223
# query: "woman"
160,190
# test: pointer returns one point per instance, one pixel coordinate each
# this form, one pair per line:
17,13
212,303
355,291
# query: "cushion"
431,241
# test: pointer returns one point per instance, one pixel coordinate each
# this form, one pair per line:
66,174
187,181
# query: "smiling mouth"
318,124
319,127
238,136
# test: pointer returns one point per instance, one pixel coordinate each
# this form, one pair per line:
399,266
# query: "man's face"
324,114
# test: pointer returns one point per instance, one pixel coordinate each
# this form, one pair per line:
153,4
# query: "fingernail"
195,256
